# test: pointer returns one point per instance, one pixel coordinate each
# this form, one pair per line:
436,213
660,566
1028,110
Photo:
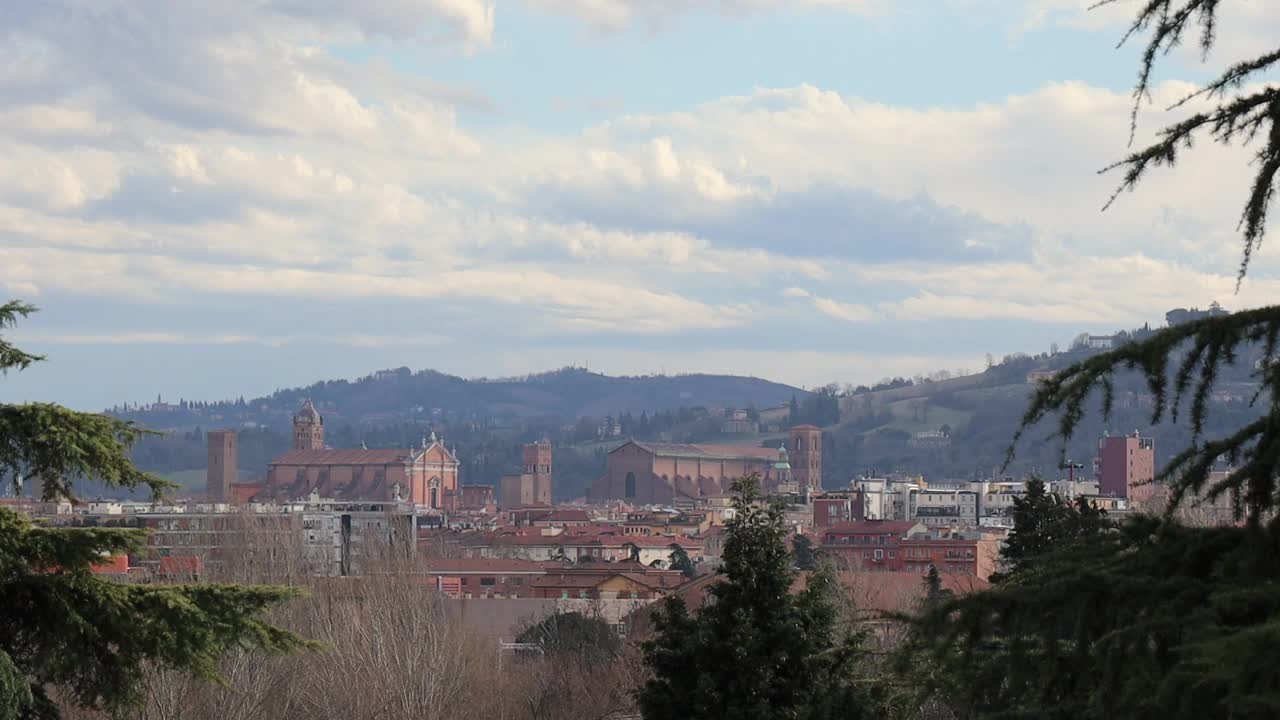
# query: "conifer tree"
1150,619
65,633
803,553
755,650
680,561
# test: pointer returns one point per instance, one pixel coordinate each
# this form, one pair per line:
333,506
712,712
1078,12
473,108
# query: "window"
630,485
515,581
879,554
893,554
866,554
488,581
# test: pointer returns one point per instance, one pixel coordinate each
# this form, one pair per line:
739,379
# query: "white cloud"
617,15
181,338
848,312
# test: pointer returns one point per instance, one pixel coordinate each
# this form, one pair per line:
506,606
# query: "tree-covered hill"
390,396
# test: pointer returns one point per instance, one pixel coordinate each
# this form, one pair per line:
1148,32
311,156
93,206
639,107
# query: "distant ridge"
402,394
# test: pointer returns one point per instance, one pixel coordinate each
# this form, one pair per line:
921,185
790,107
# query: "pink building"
1125,466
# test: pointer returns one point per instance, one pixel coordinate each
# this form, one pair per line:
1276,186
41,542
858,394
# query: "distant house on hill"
930,439
1177,316
1036,376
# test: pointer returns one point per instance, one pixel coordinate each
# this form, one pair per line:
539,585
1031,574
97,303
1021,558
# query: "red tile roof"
566,516
115,565
497,566
721,452
181,565
870,527
358,456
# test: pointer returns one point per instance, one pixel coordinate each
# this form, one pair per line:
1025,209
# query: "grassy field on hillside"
930,417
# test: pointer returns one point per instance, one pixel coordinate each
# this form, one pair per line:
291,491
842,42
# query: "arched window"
435,493
630,489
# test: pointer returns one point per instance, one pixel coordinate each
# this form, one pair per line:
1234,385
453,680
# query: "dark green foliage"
1044,520
933,591
574,634
1180,365
633,551
802,552
1246,109
680,561
10,356
63,627
1152,620
755,650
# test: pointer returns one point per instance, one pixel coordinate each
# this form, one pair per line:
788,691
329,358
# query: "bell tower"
308,428
806,456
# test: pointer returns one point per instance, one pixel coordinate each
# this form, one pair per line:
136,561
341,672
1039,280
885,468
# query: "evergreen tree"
793,416
933,590
680,561
1043,520
1151,618
755,650
802,553
62,628
575,634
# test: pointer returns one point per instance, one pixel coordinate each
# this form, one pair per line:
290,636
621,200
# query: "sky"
209,200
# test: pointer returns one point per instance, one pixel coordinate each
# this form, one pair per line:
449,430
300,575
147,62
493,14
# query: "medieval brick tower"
537,463
806,457
308,428
223,463
533,485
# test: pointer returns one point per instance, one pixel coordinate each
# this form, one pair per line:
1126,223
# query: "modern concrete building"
1126,466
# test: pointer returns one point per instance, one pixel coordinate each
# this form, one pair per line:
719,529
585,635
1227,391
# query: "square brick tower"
537,468
806,456
224,460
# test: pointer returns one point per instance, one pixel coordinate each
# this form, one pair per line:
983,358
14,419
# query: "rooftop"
709,452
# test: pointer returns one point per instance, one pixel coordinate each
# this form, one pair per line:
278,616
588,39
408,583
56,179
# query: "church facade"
427,476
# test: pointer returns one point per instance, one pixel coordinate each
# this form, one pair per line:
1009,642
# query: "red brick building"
426,476
514,578
532,486
806,457
223,466
664,473
889,546
1126,466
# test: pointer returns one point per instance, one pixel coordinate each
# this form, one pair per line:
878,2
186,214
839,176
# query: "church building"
659,473
427,476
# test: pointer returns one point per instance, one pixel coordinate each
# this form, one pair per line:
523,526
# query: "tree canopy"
754,649
68,635
1147,618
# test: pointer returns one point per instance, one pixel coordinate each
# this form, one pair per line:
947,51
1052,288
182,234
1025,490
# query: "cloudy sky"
209,199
